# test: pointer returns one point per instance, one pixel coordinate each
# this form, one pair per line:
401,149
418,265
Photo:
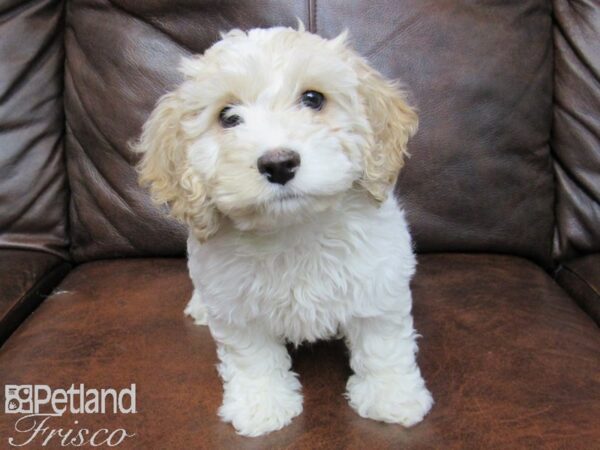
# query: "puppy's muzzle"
279,165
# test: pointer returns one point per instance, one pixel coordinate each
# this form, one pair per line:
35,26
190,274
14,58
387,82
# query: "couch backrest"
482,74
480,178
33,182
576,131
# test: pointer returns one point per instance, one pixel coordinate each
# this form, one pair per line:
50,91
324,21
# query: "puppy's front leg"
196,309
387,383
261,394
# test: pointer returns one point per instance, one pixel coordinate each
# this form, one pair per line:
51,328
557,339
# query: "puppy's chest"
307,275
303,291
304,295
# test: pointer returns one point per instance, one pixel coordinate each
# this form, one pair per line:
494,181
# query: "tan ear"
165,169
393,122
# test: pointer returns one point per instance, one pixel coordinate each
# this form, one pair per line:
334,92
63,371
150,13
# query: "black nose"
279,165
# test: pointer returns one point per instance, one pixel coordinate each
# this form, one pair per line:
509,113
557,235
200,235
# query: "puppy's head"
270,127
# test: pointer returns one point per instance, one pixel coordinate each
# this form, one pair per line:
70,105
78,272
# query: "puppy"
279,151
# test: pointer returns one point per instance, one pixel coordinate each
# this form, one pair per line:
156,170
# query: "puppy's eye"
229,120
313,99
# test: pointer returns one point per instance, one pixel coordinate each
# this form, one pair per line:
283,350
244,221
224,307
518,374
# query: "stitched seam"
34,292
65,161
555,247
312,16
554,250
582,280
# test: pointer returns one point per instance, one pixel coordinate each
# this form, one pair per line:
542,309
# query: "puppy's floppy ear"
165,168
393,122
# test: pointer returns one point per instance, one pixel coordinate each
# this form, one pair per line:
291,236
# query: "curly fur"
327,254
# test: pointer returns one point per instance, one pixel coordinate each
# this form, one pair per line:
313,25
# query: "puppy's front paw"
196,309
259,406
388,399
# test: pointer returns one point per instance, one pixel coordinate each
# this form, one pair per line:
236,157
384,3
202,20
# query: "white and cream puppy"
279,151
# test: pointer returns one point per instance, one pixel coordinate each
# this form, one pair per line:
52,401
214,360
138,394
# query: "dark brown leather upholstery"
33,185
26,278
507,160
576,135
475,148
581,278
511,360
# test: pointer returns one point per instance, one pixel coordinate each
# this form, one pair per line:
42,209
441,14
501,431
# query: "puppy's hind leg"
387,384
196,309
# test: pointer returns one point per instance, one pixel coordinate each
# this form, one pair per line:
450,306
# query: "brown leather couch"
502,191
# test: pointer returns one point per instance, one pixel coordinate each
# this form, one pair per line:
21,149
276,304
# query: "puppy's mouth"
279,209
288,196
286,201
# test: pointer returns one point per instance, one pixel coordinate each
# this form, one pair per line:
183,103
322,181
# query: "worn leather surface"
25,278
121,56
480,178
511,360
581,278
576,135
481,75
33,186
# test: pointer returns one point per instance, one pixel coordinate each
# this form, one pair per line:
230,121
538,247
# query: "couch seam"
33,292
555,239
64,136
312,16
582,280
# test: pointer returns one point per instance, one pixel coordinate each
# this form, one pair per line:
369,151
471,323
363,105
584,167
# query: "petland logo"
38,404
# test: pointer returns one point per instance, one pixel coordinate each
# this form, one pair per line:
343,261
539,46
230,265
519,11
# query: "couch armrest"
26,277
581,278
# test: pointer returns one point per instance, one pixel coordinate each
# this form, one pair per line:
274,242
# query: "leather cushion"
576,134
33,185
511,360
581,278
25,278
